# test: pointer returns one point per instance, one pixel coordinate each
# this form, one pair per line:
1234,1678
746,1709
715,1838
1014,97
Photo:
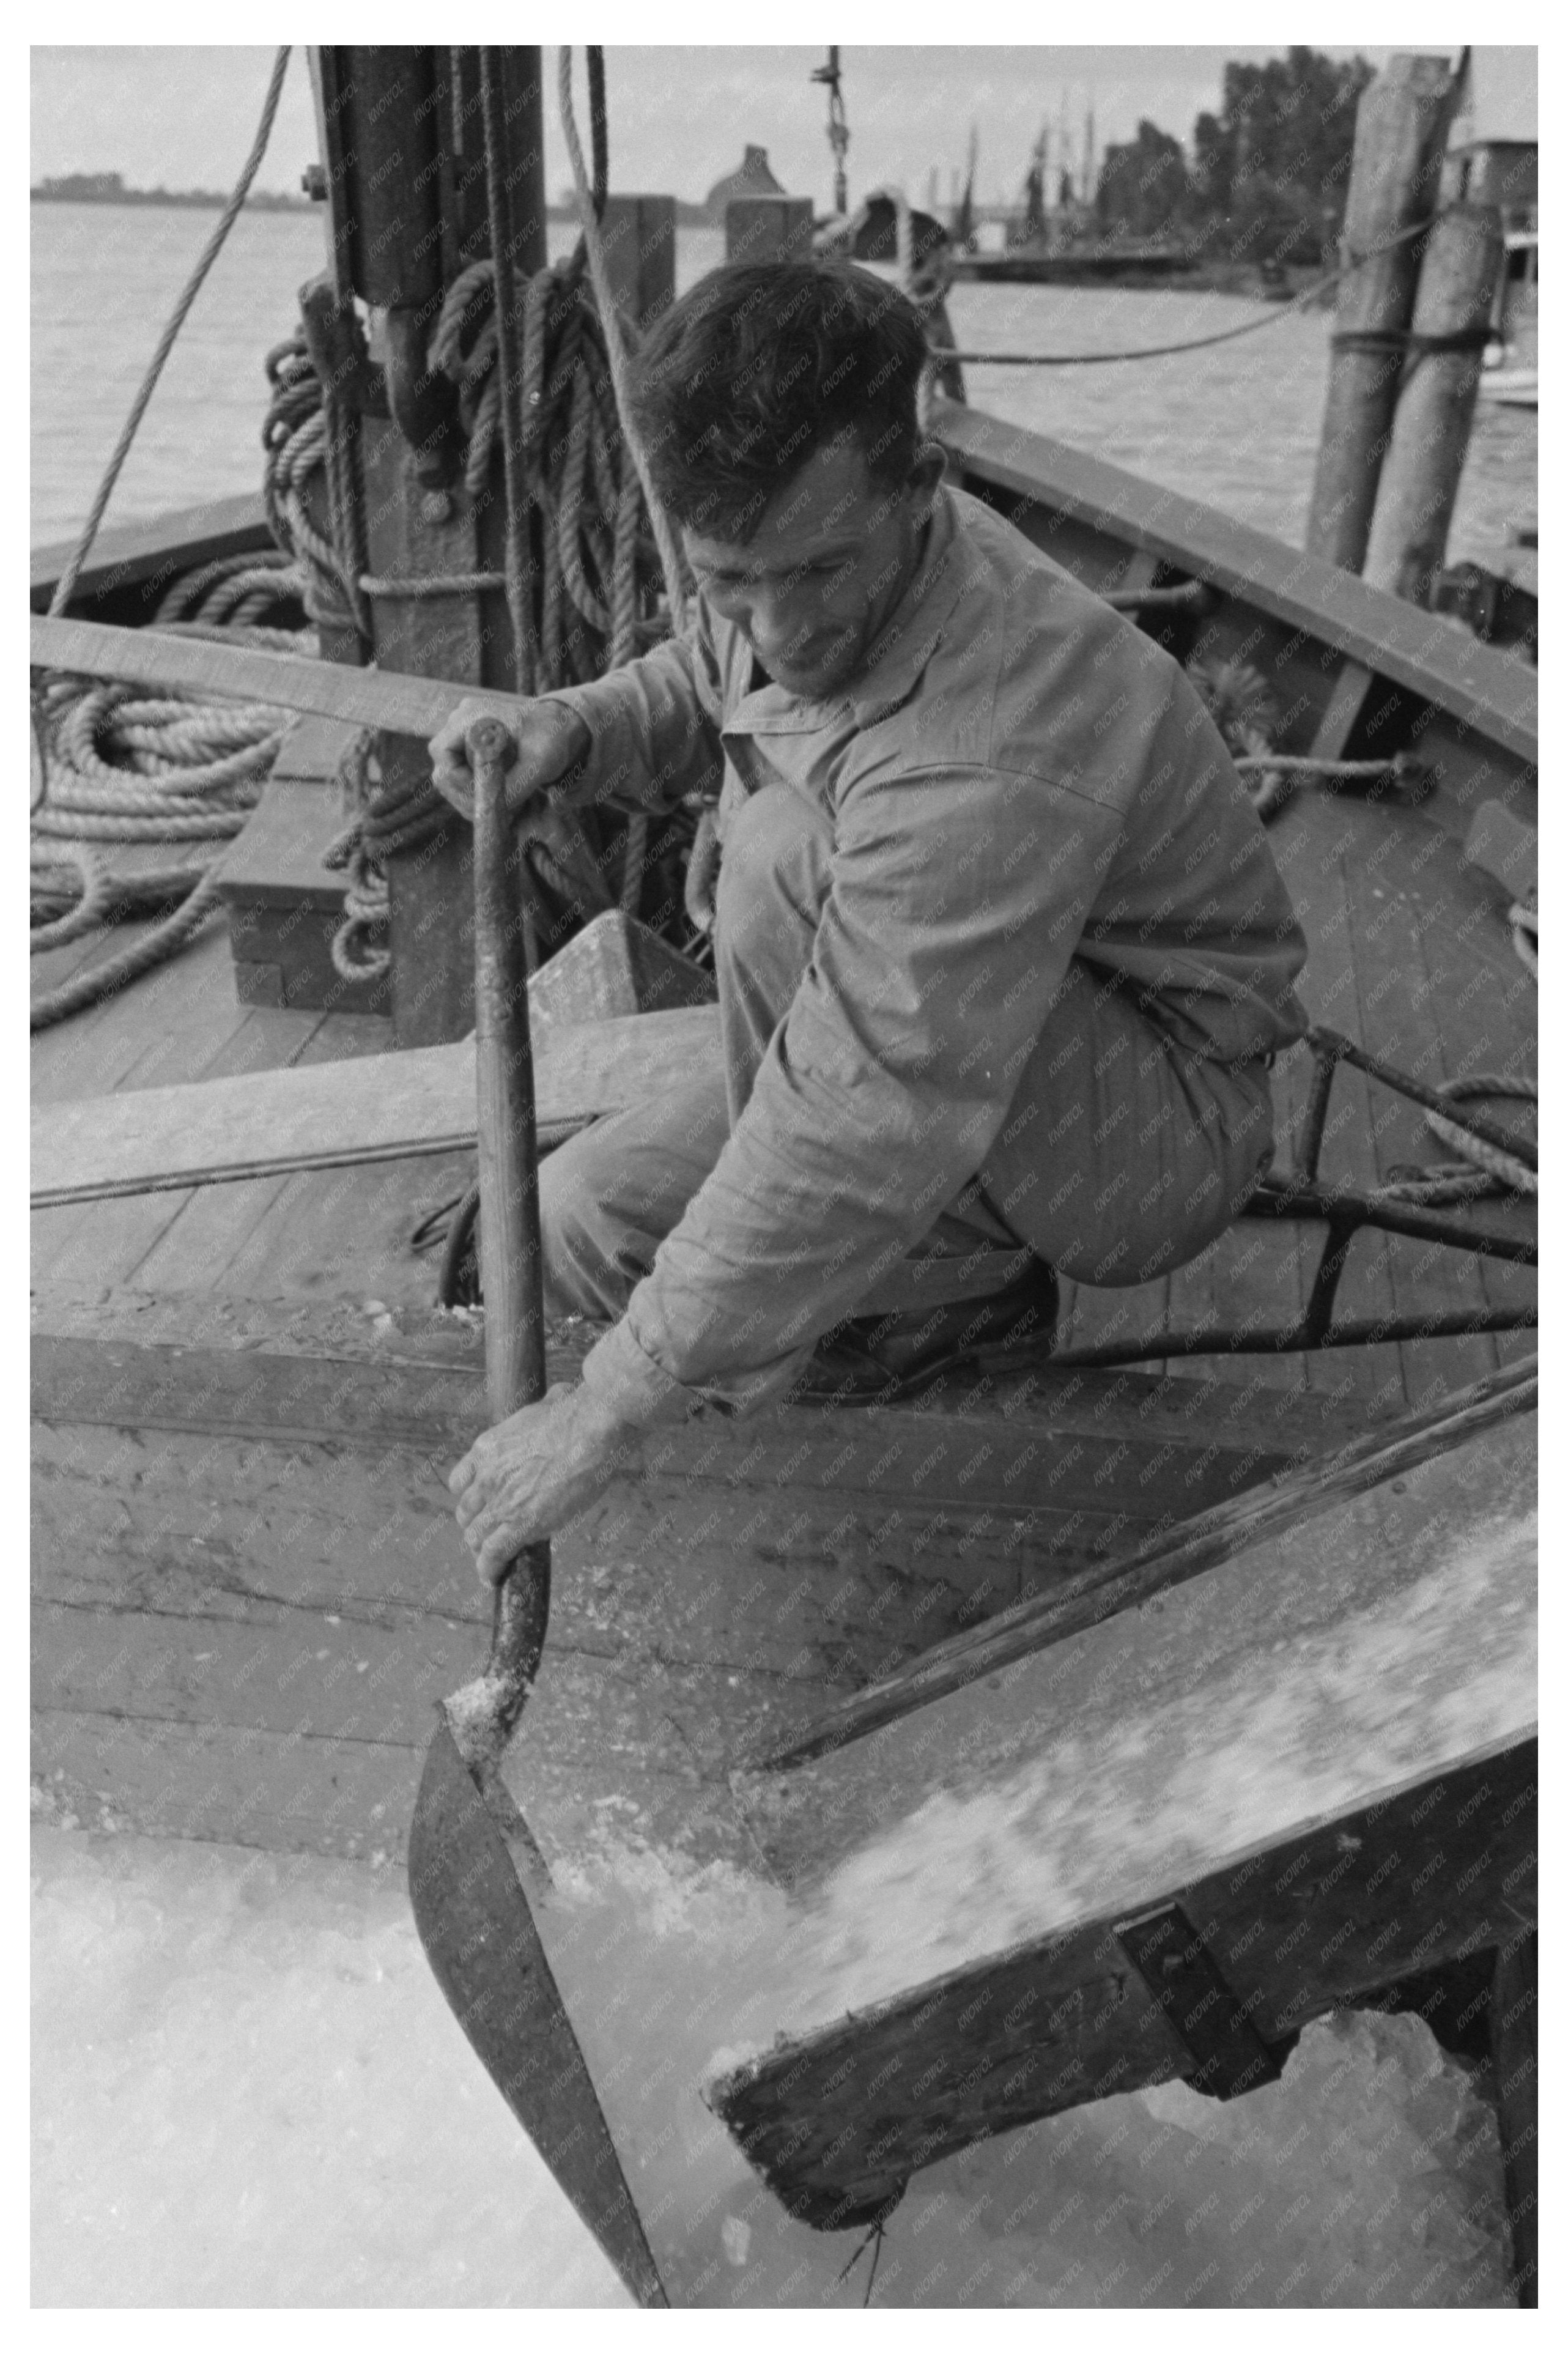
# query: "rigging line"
507,367
65,586
615,350
1197,343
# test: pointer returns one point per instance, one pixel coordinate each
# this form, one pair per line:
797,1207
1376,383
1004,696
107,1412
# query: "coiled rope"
298,443
118,766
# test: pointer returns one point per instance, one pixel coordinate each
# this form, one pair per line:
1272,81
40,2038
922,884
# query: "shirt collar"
908,640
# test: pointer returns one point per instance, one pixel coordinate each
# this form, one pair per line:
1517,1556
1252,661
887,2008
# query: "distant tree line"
1266,178
110,188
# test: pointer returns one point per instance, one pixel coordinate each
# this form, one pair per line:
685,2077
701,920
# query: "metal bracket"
1229,2056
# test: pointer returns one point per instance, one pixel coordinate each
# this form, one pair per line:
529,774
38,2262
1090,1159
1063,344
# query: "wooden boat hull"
249,1587
251,1590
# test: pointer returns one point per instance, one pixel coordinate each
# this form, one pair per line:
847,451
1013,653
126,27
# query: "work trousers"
1121,1156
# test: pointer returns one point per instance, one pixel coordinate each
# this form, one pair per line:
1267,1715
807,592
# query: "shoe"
874,1360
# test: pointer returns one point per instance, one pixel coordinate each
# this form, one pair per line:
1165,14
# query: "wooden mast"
406,188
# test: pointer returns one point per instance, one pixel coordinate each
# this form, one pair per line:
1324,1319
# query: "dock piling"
1401,124
1460,272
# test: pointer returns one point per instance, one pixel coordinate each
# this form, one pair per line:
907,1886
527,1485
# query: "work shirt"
1017,777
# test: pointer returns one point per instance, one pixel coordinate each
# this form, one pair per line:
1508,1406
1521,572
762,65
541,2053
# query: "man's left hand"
520,1481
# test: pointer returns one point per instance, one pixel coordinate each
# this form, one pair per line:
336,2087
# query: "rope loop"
1506,1173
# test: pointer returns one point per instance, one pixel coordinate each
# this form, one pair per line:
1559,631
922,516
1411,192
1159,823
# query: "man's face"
831,556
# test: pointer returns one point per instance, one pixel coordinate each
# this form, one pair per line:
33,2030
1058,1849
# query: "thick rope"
1501,1167
358,951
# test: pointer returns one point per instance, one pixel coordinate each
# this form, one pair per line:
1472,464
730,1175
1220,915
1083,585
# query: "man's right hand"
551,742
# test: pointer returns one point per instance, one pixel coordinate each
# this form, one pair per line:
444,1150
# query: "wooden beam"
1322,1751
356,698
336,1114
639,237
768,228
836,2122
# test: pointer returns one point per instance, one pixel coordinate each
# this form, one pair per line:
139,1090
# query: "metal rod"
1336,1202
1364,1332
1519,1147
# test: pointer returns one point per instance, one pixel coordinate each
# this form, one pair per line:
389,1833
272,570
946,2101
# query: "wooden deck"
1409,954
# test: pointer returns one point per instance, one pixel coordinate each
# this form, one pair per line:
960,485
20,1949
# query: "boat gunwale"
1431,656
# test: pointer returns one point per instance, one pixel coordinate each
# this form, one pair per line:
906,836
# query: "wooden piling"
1460,272
1401,124
639,237
768,228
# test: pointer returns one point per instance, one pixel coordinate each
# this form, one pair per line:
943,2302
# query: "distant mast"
838,129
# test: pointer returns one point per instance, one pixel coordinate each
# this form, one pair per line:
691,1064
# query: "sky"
679,117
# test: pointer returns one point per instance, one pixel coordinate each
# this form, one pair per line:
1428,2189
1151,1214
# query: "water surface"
1237,425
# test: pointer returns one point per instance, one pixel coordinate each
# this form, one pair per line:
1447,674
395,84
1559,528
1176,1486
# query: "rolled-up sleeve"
937,955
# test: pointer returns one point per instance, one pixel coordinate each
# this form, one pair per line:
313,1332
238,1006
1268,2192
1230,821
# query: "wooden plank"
346,1232
101,1243
1081,1446
184,1010
1323,1750
285,1792
89,1052
345,1038
1492,692
781,1580
265,1039
837,2121
643,1737
328,1118
400,704
206,1234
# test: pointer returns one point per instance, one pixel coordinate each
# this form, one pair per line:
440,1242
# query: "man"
1002,954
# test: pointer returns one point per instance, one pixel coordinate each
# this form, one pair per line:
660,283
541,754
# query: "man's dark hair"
760,364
